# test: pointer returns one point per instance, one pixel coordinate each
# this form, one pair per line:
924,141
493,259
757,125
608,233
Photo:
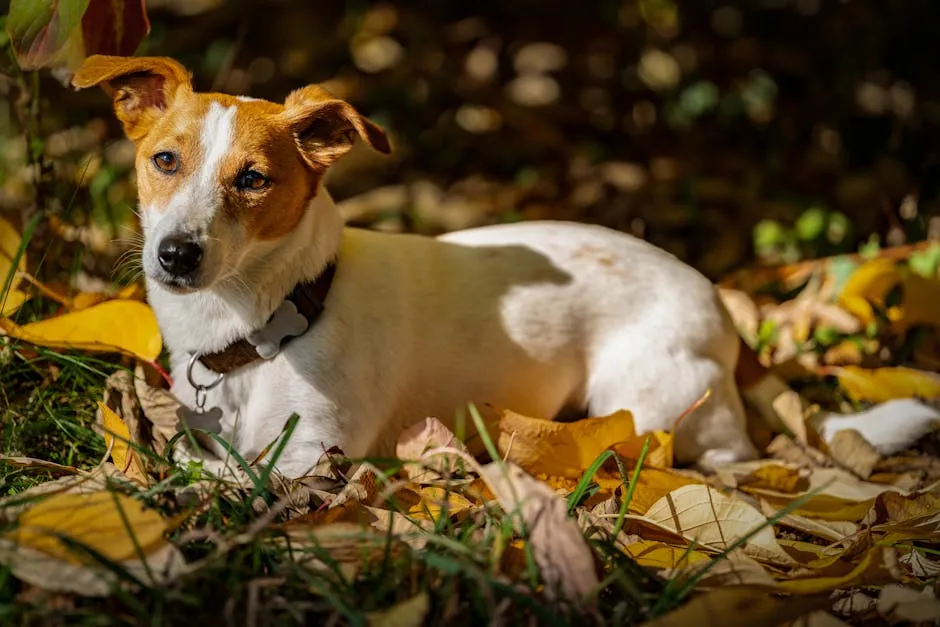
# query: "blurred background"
726,132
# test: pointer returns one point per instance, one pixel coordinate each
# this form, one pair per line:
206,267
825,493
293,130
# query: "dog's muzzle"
179,255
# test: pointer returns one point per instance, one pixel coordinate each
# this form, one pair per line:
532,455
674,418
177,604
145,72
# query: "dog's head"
219,174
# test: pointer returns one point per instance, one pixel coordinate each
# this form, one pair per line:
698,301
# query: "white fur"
541,318
193,208
537,317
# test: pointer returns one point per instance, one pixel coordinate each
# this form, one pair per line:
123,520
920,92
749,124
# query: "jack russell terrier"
270,307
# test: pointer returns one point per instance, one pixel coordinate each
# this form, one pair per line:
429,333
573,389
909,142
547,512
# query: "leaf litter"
559,509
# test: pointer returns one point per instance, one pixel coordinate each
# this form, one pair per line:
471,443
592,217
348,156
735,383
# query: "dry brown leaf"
785,449
566,449
39,464
362,487
344,545
920,564
818,619
410,613
412,531
853,451
736,606
714,521
829,530
878,566
911,517
736,569
841,495
423,436
763,474
564,559
898,603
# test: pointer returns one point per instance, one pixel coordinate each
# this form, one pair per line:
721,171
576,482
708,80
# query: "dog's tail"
889,427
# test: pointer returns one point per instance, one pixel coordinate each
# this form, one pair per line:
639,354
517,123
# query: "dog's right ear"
141,88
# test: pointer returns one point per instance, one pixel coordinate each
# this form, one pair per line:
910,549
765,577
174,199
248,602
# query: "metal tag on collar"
200,417
285,322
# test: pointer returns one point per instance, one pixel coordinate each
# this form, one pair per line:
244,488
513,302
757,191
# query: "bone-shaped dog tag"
207,420
285,322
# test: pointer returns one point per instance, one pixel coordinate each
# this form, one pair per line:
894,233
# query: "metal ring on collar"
199,386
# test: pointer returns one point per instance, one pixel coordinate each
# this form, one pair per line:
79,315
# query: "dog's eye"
166,162
251,179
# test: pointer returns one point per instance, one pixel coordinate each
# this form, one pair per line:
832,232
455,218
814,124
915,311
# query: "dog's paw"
889,427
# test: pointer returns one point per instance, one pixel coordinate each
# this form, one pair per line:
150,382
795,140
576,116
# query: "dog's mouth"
178,285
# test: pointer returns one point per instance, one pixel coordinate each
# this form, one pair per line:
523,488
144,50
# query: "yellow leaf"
660,453
661,556
564,449
12,300
873,280
111,524
436,501
870,283
653,484
127,326
117,436
410,613
9,244
873,569
884,384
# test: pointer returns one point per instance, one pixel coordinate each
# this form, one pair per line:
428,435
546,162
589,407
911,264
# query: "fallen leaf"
840,495
762,474
735,569
566,449
362,487
112,524
704,515
853,451
663,556
564,559
884,384
127,326
117,437
920,564
410,613
878,566
423,436
40,464
10,242
900,603
910,517
436,501
653,484
870,284
736,606
818,619
829,530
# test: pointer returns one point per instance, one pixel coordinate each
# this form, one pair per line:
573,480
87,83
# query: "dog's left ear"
323,125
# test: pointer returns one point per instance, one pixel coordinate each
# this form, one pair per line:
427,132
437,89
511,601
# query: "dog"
269,307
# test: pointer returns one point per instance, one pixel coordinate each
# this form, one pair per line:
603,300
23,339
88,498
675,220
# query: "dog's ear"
141,88
323,125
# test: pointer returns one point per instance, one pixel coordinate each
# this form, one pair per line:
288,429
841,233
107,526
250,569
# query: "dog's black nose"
179,255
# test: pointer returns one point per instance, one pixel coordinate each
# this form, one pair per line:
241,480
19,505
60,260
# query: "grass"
249,570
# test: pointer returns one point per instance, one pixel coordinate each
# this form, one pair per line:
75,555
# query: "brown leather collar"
308,297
